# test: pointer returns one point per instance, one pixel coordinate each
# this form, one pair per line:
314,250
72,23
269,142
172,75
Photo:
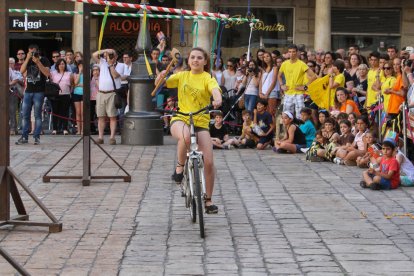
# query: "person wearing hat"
294,139
387,175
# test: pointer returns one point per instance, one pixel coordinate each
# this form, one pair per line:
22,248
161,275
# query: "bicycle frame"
192,154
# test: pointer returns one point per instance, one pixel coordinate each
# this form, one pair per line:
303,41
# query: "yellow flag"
320,92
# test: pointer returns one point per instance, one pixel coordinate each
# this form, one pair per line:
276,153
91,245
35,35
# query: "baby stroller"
231,110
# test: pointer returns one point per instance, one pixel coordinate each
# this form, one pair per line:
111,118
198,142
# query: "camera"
35,54
408,62
111,56
250,70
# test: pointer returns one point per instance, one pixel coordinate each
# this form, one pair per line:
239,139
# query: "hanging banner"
275,28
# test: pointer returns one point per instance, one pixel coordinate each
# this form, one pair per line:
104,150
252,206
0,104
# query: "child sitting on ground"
387,175
318,143
407,169
345,140
219,133
331,135
307,127
358,147
263,124
294,139
373,152
247,139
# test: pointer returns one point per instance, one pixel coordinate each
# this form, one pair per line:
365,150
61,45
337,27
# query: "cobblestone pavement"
278,215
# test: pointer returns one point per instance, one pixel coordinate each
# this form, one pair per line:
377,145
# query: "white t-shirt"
127,72
406,167
105,81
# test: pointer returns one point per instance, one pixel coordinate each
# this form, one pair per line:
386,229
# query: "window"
371,30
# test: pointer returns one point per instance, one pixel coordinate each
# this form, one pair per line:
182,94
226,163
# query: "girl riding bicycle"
195,87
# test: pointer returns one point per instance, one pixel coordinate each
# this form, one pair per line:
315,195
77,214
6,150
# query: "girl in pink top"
61,103
358,147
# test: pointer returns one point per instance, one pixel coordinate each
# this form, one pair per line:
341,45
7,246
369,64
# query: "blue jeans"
32,99
250,102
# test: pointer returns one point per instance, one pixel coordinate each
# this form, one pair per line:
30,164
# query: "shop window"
371,30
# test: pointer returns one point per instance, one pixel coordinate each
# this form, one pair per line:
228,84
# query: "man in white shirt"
109,81
127,59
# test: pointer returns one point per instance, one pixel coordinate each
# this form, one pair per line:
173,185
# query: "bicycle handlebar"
174,112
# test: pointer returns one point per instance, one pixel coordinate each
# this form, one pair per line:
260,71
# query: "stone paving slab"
279,215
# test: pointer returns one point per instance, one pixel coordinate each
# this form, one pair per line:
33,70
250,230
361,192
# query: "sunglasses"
55,56
387,68
20,53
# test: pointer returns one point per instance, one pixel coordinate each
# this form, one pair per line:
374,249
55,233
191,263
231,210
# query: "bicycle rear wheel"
198,197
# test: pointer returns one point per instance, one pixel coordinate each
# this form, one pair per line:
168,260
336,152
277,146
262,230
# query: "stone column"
323,25
77,43
203,26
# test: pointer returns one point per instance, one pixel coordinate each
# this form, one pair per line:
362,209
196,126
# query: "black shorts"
77,98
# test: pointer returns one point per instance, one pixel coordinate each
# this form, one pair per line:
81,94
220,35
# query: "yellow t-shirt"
194,92
294,75
340,79
371,93
388,83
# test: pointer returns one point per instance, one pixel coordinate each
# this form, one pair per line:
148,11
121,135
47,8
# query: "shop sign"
130,26
40,24
274,28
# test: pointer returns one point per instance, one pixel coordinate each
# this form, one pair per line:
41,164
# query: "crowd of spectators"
272,91
362,127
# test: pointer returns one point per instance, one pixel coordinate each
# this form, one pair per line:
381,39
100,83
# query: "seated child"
263,124
307,127
407,169
294,139
387,175
318,143
219,133
358,147
345,140
247,139
372,154
331,135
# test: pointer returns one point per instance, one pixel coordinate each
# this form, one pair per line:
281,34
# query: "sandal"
210,209
363,184
178,177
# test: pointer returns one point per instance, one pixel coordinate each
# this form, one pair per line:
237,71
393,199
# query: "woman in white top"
229,75
61,103
217,71
267,85
251,81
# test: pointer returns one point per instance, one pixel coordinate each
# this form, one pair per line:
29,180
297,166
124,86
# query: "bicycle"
193,186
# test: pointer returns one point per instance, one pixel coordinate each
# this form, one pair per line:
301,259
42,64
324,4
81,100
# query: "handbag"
52,89
118,92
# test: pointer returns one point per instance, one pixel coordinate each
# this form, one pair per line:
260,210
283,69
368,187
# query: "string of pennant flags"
123,14
151,8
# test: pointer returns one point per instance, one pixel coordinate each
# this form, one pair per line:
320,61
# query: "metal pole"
4,107
405,127
86,97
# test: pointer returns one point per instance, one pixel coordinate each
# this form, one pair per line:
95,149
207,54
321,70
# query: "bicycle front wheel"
199,199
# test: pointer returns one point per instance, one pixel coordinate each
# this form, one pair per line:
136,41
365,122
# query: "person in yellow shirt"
195,87
294,71
336,79
388,84
375,79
